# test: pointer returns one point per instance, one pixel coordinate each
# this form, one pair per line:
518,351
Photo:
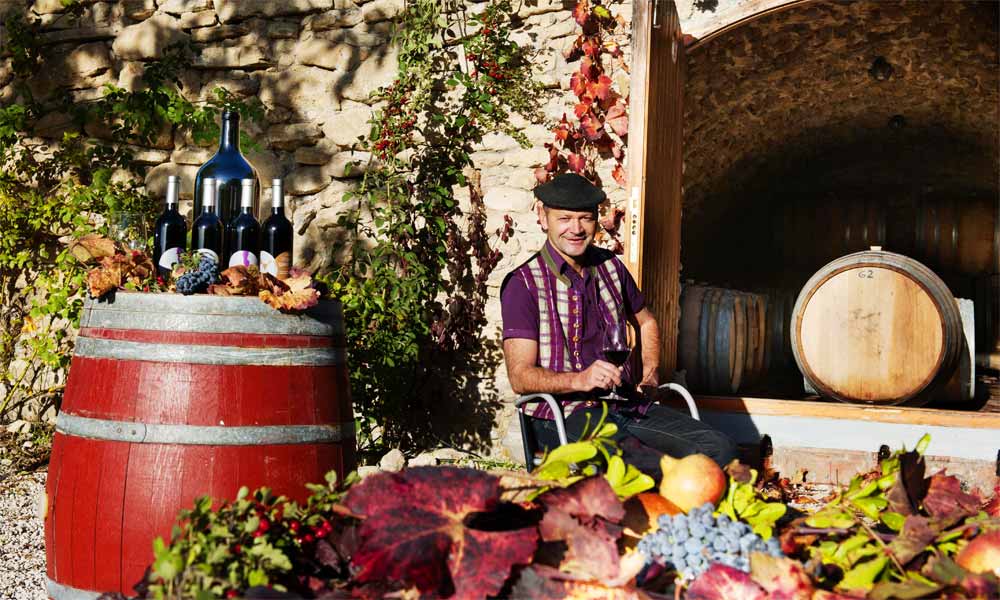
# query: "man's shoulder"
600,256
513,272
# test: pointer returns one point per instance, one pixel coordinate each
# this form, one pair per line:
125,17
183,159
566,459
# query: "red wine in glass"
616,356
616,349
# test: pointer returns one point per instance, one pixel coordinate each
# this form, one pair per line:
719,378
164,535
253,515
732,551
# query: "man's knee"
719,447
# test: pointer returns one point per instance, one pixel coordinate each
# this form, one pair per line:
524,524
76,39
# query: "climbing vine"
414,281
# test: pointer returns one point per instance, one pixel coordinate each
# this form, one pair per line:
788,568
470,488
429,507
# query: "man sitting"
556,308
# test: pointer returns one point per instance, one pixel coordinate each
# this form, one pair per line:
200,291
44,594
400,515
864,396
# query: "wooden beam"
636,153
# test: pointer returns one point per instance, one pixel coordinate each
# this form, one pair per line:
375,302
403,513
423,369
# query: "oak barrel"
876,327
721,341
170,398
958,235
813,233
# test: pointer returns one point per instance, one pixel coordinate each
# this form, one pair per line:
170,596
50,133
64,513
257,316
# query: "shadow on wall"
313,67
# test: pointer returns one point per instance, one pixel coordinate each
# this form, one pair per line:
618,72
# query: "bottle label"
209,253
242,258
277,266
170,258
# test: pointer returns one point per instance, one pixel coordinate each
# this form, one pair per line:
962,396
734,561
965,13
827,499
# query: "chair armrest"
556,411
680,389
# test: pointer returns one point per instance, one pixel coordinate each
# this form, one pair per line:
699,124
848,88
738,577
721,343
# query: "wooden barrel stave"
132,445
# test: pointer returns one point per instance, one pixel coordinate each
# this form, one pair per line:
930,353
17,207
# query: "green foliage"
256,540
52,194
743,502
572,462
414,283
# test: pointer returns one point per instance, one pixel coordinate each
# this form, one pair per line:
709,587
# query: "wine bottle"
170,236
243,232
276,237
207,231
228,168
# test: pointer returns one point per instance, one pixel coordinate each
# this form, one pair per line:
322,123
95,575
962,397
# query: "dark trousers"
645,438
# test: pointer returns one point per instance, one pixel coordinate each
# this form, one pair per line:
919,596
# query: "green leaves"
744,503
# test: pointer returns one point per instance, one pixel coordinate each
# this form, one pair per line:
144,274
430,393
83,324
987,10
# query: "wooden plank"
661,186
637,108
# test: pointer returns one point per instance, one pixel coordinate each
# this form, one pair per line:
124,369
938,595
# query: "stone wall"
313,64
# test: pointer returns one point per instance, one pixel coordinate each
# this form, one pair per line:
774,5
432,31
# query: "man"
556,308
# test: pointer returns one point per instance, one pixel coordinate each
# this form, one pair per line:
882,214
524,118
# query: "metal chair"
527,433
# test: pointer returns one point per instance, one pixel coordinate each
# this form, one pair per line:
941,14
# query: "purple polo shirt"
519,307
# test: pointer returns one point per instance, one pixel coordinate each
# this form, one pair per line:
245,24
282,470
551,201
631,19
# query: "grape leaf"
577,163
910,487
721,582
586,516
592,127
944,570
543,583
117,271
992,508
578,83
909,589
617,118
415,532
299,293
582,12
91,247
915,536
239,281
600,89
782,578
946,501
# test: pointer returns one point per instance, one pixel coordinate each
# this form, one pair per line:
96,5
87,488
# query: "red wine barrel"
876,327
170,398
721,342
961,236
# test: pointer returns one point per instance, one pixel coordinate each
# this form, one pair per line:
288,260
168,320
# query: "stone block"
193,20
88,61
266,163
191,155
382,10
246,54
130,76
291,136
306,180
156,179
378,70
522,178
139,10
308,91
79,34
312,155
283,30
236,82
507,199
53,125
532,157
147,40
47,7
238,10
219,32
333,19
338,165
147,156
344,128
330,55
178,7
363,35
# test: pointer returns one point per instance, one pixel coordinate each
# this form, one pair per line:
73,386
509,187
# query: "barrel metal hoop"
58,591
201,435
208,355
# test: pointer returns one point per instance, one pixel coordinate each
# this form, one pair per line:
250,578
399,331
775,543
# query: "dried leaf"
909,589
720,582
240,281
910,487
912,540
782,578
415,532
91,247
132,268
541,583
298,296
946,502
992,508
103,279
944,570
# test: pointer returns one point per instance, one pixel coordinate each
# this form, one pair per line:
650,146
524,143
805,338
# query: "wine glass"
128,229
616,349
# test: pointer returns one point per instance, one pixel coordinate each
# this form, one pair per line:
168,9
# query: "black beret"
570,191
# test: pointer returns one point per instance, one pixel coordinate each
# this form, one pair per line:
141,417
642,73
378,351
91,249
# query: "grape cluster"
691,542
198,280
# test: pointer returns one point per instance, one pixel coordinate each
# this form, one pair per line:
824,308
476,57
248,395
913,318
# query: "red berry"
237,548
258,533
232,593
264,525
293,526
308,538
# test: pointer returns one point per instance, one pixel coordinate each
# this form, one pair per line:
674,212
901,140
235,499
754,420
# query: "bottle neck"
229,137
208,208
278,210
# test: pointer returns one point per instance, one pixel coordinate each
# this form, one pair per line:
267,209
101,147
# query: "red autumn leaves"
599,125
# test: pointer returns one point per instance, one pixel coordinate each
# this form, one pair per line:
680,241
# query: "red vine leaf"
578,83
618,173
592,128
577,163
992,508
415,532
944,570
293,294
721,582
544,583
910,487
581,13
617,118
782,578
541,175
581,109
590,47
913,539
600,89
117,271
946,502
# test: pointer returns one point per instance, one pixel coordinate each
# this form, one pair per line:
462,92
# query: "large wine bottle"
243,232
207,233
276,237
170,236
228,168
